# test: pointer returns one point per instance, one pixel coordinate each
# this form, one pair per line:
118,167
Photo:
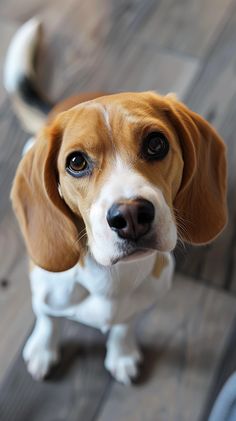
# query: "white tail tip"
20,55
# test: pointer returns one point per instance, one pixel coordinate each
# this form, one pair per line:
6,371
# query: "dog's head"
120,175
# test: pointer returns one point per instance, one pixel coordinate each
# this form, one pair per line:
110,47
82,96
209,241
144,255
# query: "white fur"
127,115
30,142
98,296
125,183
102,109
123,354
41,349
19,62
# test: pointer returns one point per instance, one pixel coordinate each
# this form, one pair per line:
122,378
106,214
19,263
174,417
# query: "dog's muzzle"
131,219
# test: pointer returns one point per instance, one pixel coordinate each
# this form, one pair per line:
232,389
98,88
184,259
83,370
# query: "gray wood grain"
186,27
75,389
15,298
183,338
108,53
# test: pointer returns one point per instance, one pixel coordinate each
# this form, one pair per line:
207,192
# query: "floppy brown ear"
48,225
201,200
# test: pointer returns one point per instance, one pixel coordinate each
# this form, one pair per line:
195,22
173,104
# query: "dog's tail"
20,77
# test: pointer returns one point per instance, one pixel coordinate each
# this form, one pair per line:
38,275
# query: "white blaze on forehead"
114,109
102,110
124,182
126,114
106,118
111,109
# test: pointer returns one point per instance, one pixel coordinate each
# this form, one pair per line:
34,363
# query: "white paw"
39,359
124,368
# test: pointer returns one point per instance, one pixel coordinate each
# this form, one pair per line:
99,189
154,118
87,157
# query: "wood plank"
12,136
186,27
183,340
75,389
12,140
166,72
15,298
108,61
21,10
12,247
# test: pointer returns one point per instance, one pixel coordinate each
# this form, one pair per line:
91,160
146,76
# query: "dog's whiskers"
82,234
182,228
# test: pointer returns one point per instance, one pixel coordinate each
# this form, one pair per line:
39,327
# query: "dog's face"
121,174
121,171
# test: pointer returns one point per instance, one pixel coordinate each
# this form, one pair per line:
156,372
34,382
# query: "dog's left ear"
201,200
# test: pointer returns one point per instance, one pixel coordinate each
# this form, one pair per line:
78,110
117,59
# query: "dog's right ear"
201,201
49,227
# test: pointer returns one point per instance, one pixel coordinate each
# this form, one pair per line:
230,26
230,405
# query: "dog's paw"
39,359
124,368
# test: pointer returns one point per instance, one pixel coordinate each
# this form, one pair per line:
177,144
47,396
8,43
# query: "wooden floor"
184,46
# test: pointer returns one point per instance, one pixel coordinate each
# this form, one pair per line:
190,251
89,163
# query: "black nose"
131,219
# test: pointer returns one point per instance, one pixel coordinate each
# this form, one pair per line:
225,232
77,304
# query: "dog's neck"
122,277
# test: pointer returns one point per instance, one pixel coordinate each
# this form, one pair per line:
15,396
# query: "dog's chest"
115,281
58,293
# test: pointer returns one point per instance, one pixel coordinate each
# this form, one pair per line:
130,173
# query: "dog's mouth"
132,253
137,255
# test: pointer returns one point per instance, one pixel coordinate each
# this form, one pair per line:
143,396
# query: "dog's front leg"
123,355
41,349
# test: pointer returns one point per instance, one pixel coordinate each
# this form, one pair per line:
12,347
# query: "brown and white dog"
104,191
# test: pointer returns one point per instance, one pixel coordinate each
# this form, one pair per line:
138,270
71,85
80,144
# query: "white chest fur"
96,295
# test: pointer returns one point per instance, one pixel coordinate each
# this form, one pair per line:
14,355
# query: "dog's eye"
155,146
76,164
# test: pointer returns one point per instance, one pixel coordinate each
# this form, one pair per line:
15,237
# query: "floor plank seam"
103,400
230,262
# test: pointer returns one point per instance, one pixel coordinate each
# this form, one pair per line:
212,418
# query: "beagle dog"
103,193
